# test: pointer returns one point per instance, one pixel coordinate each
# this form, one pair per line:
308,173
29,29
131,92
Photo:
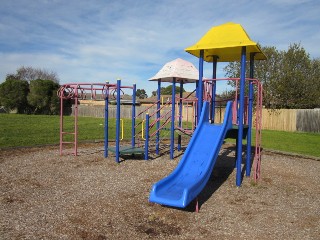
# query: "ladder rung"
68,142
68,132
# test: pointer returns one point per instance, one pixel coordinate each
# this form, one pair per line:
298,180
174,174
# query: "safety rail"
258,117
163,125
162,107
145,110
185,103
153,123
79,90
257,159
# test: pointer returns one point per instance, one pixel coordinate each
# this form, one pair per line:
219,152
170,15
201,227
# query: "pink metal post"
61,124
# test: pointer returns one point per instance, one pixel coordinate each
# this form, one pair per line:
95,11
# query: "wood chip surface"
47,196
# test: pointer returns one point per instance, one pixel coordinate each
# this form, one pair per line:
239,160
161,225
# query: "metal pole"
173,102
200,92
180,114
195,115
158,117
146,147
61,121
106,121
250,113
214,88
118,122
133,122
241,110
76,122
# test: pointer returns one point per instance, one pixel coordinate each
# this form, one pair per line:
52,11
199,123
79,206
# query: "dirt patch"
45,196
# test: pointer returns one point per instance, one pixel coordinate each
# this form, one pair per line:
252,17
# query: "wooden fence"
282,120
308,120
304,120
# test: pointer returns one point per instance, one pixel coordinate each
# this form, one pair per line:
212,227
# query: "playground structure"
77,91
143,133
224,43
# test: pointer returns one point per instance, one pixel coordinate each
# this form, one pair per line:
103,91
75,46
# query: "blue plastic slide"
193,171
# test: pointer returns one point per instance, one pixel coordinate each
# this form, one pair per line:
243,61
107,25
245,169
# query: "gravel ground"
45,196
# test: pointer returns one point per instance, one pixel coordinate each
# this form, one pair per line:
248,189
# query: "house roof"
166,98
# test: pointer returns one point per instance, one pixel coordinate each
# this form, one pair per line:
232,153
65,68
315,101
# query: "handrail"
162,126
257,159
147,109
122,132
190,93
75,90
135,126
226,79
163,106
158,119
142,131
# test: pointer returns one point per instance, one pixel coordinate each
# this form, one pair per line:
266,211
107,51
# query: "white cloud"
98,40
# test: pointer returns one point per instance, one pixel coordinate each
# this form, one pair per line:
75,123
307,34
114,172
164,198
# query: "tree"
154,93
227,95
43,97
13,94
314,84
29,73
141,93
267,72
289,78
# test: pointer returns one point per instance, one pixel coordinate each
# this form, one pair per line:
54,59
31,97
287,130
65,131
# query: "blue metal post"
180,114
133,122
214,88
146,145
250,114
196,108
158,117
173,102
106,121
118,122
200,92
241,113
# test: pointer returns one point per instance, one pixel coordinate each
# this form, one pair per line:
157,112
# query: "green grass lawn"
31,130
296,142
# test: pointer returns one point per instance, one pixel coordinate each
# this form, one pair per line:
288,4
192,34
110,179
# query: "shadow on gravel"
224,166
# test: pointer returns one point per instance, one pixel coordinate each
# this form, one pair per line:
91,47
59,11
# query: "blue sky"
99,40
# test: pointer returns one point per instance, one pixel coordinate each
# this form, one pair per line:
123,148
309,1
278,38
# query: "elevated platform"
233,132
126,150
186,132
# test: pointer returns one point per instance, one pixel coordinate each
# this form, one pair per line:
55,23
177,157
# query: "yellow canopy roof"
226,42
